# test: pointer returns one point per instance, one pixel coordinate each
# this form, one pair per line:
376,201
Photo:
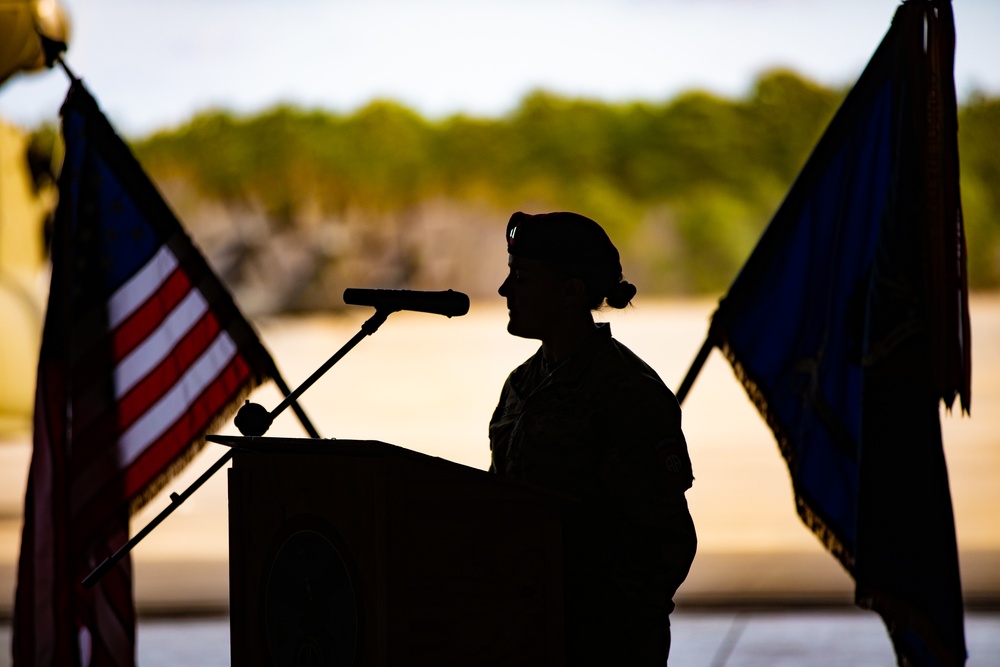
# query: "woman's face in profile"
535,295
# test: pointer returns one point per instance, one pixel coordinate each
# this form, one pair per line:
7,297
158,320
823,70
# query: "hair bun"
621,294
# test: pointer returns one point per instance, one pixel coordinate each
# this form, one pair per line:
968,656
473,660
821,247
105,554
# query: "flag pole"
696,366
65,68
296,408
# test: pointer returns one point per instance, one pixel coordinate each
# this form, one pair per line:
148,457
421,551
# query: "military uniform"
603,428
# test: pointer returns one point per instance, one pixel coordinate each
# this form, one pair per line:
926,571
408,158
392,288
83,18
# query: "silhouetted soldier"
587,417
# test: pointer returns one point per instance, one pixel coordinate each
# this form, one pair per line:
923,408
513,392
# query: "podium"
363,553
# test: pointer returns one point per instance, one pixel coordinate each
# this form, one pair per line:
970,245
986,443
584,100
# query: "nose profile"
502,290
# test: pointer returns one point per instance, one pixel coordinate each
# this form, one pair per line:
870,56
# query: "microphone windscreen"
449,303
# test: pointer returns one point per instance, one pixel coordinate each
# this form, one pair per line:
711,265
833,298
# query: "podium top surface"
280,445
364,449
334,447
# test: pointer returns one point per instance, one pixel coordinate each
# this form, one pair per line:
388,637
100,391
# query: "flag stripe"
114,638
112,422
93,360
141,323
188,349
42,599
145,430
221,392
106,315
140,287
176,401
139,362
144,358
226,388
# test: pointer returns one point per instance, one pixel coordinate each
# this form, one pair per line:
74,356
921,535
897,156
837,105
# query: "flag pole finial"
65,68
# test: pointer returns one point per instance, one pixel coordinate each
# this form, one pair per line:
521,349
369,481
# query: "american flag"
143,352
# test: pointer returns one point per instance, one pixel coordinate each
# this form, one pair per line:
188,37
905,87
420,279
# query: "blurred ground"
731,638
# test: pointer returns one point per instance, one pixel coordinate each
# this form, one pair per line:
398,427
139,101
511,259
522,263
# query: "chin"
514,330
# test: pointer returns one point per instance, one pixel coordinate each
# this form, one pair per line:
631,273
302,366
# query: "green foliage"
722,227
978,139
712,169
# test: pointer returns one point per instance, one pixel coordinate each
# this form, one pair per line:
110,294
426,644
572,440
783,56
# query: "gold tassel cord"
827,537
192,450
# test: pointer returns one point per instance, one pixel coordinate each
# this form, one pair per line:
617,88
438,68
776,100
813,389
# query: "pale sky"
153,63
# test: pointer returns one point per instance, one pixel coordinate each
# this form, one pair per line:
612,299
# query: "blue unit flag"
849,323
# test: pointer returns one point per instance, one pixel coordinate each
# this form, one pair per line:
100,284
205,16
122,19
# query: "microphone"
448,303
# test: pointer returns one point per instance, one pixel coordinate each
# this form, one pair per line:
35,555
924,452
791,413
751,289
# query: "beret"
574,242
563,238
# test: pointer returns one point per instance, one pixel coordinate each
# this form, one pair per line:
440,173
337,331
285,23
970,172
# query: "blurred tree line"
685,186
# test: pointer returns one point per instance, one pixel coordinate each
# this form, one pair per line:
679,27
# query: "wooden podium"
363,553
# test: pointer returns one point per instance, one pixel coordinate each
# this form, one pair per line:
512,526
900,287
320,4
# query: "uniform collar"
570,368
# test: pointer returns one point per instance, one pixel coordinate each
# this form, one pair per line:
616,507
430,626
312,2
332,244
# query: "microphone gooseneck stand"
251,420
254,419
